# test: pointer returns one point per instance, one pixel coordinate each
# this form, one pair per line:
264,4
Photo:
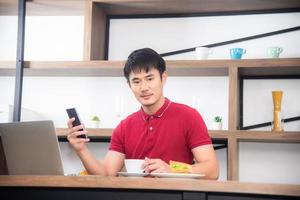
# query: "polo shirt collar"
159,113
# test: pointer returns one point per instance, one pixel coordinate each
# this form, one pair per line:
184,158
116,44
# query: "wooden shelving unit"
231,68
97,14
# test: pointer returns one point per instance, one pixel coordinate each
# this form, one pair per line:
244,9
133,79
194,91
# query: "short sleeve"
197,134
117,140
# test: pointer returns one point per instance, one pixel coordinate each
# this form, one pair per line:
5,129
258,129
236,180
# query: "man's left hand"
155,166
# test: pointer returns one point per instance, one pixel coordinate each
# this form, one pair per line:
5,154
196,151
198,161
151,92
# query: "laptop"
31,148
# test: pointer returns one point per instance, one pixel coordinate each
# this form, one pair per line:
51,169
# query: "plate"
176,175
132,174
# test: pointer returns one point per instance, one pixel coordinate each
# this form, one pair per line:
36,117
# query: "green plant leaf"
217,119
95,118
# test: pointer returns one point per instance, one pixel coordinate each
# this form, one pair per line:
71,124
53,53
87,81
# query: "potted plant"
95,121
217,123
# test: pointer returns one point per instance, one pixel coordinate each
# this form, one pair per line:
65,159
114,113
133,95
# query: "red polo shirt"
170,134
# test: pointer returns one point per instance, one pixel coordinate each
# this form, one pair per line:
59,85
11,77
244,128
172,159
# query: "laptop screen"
31,148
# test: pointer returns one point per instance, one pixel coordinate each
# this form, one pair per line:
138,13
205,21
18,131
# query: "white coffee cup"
203,52
134,165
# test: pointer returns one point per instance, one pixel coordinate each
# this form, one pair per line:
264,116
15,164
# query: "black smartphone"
73,113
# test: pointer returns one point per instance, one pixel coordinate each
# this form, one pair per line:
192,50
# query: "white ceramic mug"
203,52
134,165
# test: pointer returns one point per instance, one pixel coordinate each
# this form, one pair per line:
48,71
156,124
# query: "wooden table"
135,188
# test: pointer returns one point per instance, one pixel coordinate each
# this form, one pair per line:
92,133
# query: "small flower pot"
217,125
95,124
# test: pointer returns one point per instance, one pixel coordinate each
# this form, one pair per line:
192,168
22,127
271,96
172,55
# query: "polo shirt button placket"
150,126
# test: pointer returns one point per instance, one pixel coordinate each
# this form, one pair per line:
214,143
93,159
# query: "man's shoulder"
182,108
132,117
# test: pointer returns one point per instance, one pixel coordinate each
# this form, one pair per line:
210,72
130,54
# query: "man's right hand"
77,143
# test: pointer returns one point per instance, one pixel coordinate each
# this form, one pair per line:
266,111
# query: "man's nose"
144,85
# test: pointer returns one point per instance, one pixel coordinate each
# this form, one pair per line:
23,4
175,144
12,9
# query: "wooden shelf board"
107,132
111,68
267,136
242,136
130,7
101,133
258,67
218,134
127,183
267,62
264,67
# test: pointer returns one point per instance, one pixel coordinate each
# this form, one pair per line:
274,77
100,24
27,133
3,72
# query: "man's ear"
164,77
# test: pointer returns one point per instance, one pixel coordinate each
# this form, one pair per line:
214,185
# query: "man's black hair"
144,60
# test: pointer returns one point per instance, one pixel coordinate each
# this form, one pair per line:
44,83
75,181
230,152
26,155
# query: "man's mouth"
146,96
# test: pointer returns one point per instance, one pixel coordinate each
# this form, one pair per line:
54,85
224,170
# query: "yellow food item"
180,167
83,173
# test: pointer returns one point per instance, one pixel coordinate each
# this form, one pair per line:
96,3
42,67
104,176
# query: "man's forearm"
208,168
91,164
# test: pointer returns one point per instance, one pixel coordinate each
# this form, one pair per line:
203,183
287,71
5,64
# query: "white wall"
47,97
171,34
46,38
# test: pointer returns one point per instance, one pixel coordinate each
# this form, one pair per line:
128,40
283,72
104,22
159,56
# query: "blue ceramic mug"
236,53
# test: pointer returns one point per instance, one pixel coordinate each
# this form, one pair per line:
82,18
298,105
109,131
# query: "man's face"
147,87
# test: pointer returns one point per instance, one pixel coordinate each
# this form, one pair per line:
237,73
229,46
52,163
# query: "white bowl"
134,165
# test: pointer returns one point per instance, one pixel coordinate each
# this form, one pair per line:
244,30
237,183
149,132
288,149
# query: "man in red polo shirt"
160,131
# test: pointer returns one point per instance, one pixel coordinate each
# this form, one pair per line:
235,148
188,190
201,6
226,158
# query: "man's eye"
150,79
136,82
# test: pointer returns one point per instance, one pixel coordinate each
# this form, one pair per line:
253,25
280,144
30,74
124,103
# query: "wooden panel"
267,136
232,159
107,132
151,184
218,134
94,32
243,136
101,133
196,68
233,99
265,67
267,62
110,68
98,34
67,68
87,30
289,66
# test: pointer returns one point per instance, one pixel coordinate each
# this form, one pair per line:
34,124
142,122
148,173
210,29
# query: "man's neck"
150,110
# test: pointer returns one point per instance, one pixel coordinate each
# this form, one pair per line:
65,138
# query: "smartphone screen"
73,113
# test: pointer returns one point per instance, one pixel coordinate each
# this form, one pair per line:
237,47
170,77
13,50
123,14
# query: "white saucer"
176,175
132,174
